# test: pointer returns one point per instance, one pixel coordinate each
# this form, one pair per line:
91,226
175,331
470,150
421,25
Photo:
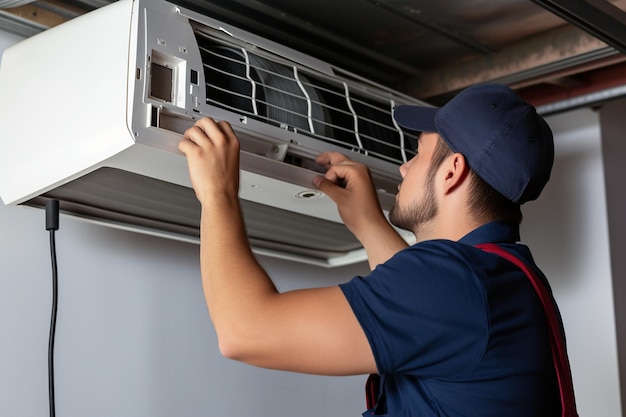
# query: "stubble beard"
416,216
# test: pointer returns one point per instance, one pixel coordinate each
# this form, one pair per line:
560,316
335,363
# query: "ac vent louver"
281,93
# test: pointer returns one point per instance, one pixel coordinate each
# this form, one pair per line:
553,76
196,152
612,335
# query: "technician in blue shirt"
452,330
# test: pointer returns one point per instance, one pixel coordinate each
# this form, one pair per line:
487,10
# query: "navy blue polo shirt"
456,331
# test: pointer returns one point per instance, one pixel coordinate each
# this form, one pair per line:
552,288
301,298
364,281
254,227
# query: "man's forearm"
381,243
235,286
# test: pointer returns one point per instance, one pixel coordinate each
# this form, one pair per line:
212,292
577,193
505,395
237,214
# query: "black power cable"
52,224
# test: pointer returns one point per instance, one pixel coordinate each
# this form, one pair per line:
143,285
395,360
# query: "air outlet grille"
275,91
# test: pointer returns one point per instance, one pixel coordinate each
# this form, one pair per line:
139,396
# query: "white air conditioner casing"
91,113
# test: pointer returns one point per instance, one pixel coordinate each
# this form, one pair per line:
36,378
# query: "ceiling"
555,53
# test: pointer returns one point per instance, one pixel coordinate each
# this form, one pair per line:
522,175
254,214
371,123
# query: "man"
451,329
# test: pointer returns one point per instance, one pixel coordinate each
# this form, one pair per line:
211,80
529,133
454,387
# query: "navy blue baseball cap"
503,139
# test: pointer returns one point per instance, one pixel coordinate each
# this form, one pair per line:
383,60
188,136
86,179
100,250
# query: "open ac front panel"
284,105
172,67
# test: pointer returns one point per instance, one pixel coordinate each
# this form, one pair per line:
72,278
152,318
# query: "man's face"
416,201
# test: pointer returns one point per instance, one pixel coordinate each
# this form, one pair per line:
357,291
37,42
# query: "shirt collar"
493,232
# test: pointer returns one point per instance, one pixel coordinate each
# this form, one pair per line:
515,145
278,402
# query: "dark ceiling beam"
33,18
599,18
280,26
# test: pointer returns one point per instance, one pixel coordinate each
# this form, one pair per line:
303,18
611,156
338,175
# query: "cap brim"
421,119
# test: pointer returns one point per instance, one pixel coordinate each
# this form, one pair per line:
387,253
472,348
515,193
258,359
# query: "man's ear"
455,172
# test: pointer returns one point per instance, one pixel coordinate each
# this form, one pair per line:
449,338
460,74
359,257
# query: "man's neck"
446,227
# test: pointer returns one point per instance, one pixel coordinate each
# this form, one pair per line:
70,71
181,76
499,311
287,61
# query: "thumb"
328,187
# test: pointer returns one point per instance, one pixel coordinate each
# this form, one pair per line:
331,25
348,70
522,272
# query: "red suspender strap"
372,388
557,342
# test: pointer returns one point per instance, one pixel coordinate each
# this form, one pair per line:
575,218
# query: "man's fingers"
207,133
330,158
330,188
191,141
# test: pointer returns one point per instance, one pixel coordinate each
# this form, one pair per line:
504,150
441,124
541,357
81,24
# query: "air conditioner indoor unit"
91,113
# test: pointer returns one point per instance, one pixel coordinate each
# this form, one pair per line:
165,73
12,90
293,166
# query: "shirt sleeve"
423,311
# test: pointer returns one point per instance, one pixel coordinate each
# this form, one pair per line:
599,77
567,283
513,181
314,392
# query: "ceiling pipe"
9,4
585,100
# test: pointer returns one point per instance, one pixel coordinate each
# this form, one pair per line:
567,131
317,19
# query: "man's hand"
349,184
212,152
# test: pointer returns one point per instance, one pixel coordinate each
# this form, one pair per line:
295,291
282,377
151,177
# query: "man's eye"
412,144
416,148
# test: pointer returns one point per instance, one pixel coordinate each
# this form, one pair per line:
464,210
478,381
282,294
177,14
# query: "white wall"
568,231
134,337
